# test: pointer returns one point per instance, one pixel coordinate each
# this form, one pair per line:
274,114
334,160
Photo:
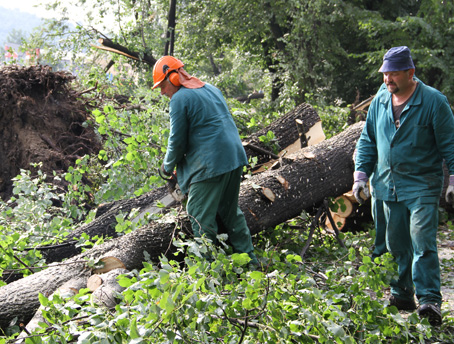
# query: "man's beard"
394,90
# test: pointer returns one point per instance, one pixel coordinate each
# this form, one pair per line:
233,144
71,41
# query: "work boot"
432,312
401,304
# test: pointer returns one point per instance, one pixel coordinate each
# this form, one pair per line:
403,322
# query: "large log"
314,173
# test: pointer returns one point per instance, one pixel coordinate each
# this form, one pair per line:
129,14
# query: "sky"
37,8
29,6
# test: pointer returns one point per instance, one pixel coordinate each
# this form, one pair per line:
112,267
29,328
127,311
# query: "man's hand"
164,172
450,191
360,187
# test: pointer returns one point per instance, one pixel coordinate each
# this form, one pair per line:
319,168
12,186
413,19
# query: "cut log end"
338,221
110,263
94,282
344,206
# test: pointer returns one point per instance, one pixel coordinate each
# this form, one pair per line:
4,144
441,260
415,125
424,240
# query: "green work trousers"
380,228
219,196
411,238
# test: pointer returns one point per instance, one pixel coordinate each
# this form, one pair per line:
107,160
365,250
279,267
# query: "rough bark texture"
328,172
316,172
66,291
284,129
106,294
103,225
20,298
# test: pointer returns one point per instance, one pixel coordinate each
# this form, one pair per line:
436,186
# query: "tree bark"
312,174
170,34
285,131
309,176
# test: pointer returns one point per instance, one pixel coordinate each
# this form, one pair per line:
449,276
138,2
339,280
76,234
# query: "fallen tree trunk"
309,176
314,173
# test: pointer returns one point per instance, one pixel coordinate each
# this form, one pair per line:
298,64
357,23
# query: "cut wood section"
110,263
351,196
286,133
344,206
109,278
269,194
314,135
94,282
338,220
106,294
283,182
317,136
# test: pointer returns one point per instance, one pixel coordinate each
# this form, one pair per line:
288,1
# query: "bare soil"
41,120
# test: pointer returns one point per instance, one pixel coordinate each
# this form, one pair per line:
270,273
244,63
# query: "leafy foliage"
288,300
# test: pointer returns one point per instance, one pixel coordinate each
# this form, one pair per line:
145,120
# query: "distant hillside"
15,19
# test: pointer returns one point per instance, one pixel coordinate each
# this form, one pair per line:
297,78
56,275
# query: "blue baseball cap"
396,59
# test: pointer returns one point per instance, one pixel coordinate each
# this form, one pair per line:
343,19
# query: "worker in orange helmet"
205,147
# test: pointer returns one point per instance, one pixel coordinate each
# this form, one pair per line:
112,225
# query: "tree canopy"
289,48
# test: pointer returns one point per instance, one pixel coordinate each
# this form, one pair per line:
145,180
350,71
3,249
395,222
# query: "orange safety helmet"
163,67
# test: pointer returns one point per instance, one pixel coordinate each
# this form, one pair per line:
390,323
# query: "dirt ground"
42,119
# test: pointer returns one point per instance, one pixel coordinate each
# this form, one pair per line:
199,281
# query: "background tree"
325,50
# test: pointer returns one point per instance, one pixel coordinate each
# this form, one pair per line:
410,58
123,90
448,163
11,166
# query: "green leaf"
43,300
240,259
133,331
100,119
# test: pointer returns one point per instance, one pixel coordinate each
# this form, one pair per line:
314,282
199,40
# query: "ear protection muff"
174,78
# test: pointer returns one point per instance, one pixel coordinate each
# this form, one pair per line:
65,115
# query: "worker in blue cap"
408,133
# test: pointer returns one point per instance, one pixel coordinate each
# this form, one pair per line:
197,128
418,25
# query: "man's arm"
178,138
443,130
365,157
444,134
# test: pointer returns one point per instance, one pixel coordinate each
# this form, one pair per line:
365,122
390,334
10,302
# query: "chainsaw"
173,196
172,186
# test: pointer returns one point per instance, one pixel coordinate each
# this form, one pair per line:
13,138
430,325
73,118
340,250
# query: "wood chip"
269,194
283,181
309,155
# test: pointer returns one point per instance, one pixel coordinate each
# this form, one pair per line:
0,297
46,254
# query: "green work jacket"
409,159
204,140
